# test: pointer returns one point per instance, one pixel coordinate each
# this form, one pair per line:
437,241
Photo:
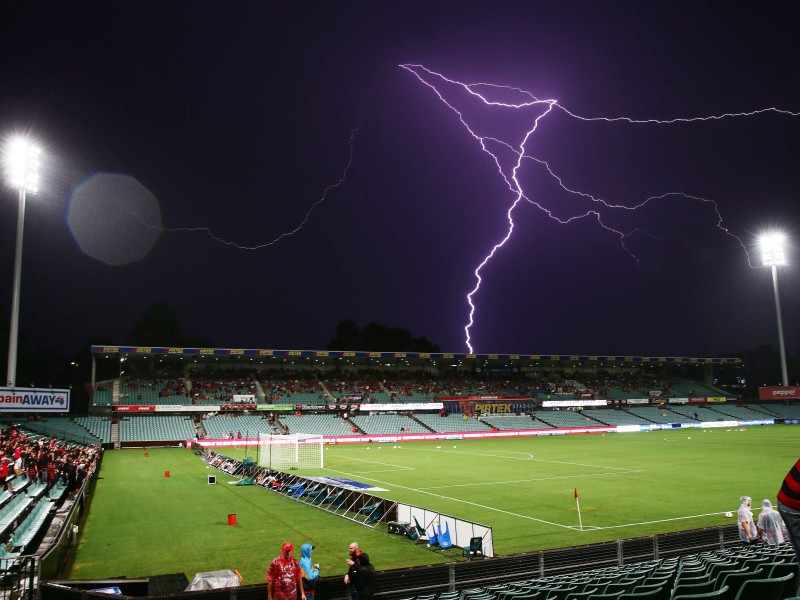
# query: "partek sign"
779,393
34,400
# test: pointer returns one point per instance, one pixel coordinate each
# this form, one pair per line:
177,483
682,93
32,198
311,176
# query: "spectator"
351,577
789,505
770,524
747,528
365,582
4,474
310,571
284,577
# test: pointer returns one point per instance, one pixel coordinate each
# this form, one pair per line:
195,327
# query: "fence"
405,583
18,577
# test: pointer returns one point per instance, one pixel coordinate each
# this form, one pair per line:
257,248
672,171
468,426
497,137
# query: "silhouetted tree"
376,337
161,326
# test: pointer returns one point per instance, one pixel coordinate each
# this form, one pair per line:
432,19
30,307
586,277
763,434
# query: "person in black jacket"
365,580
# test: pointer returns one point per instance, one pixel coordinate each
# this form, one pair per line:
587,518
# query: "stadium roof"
253,353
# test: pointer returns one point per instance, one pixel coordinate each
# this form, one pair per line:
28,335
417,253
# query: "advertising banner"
34,400
135,408
557,403
405,406
461,398
779,392
244,398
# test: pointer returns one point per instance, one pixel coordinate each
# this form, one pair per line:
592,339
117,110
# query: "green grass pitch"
142,523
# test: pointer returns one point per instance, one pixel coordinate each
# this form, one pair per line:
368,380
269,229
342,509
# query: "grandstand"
462,395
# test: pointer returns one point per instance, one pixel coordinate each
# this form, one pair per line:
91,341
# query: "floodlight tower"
22,172
773,254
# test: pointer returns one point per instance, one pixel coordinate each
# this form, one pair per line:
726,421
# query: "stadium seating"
451,423
375,424
156,428
567,418
610,416
26,531
62,428
737,573
511,422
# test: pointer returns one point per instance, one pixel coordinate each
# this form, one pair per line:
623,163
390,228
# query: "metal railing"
406,583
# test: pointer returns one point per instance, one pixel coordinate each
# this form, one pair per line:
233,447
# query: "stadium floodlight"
773,254
22,173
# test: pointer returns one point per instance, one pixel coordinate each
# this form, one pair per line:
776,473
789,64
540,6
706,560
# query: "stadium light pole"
773,254
22,172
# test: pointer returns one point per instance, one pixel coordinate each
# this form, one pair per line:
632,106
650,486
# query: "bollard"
166,473
232,519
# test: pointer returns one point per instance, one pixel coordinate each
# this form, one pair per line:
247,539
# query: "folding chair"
444,538
475,548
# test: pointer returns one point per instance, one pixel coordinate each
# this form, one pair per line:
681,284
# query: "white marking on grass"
462,501
529,480
530,457
394,467
598,527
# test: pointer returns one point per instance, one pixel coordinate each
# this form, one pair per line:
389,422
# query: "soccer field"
142,523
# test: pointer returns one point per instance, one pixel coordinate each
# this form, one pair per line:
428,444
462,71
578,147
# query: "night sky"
178,136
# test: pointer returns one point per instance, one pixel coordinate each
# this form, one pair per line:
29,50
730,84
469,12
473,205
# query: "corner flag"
578,504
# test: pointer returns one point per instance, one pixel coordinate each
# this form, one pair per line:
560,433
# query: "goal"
295,451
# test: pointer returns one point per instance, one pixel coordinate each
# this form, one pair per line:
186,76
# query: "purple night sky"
183,140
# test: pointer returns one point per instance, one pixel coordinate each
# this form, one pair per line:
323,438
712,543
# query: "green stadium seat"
765,589
652,594
779,569
622,586
584,595
720,593
735,579
475,548
695,587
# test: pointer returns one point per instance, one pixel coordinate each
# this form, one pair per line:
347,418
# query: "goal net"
294,451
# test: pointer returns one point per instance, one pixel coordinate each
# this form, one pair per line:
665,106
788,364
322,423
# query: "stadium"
461,474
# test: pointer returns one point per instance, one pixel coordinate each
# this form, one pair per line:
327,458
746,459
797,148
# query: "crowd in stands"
45,460
48,465
321,386
280,386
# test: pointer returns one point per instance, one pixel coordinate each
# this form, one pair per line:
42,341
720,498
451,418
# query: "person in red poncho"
284,576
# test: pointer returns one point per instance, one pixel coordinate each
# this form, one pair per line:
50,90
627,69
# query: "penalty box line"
443,497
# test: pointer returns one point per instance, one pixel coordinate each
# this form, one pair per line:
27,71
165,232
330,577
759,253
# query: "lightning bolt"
509,157
207,230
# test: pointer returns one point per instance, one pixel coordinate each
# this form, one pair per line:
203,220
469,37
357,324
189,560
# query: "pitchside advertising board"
791,392
45,400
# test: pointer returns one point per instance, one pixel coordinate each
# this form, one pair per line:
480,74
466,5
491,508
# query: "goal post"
294,451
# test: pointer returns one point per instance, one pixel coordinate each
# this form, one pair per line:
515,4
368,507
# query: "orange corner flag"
576,493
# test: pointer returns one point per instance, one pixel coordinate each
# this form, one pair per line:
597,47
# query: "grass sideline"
142,523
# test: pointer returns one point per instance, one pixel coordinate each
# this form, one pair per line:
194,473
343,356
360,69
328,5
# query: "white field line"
506,512
530,457
532,479
420,491
393,469
597,528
